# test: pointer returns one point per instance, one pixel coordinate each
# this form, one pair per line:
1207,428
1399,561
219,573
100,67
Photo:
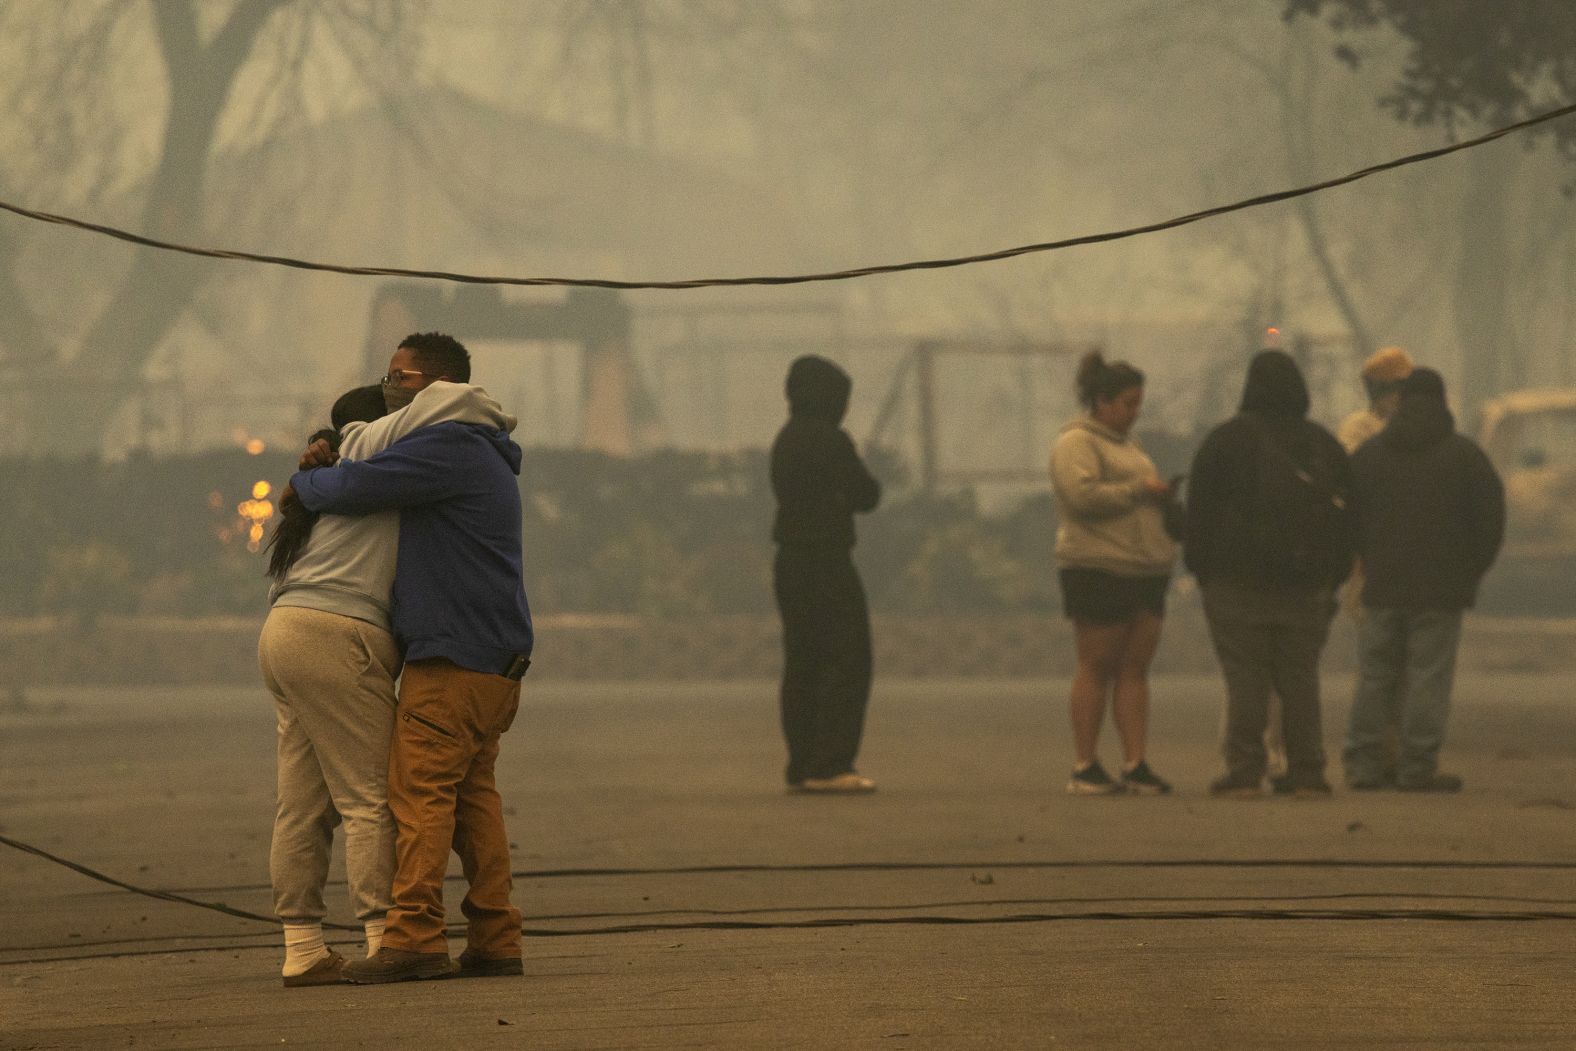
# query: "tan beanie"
1389,365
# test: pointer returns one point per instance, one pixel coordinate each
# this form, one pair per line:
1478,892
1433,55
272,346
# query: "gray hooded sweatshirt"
347,566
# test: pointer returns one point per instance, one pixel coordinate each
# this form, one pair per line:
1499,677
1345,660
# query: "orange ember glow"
250,516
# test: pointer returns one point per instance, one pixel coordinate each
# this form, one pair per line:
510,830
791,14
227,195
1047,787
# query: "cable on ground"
146,892
828,922
944,866
1321,863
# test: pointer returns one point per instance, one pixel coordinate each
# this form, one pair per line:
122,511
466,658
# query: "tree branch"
22,336
176,24
233,43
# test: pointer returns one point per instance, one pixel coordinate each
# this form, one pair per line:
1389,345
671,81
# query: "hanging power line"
798,279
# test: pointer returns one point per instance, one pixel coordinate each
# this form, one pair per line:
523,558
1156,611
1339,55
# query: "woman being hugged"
1115,561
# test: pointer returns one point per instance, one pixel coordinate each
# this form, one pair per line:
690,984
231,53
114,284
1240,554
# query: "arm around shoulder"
408,473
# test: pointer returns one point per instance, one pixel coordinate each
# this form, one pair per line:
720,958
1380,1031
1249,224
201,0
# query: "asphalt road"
676,897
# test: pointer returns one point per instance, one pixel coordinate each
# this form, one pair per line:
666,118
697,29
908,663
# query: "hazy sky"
673,139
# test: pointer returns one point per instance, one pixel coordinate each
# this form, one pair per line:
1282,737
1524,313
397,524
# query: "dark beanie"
1423,383
363,403
818,388
1275,386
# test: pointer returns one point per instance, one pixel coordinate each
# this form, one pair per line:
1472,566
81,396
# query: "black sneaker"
1241,788
1285,786
475,965
1092,780
1367,779
1442,783
1141,780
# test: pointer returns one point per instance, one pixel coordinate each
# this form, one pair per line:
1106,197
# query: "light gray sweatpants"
332,678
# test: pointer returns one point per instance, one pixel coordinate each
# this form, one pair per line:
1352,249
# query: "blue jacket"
458,591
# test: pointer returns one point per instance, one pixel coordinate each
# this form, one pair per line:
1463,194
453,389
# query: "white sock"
374,930
303,947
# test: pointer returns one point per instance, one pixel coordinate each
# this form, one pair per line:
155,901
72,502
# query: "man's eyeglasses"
398,376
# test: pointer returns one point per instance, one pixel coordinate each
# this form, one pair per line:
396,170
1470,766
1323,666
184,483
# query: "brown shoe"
397,965
843,784
327,971
475,965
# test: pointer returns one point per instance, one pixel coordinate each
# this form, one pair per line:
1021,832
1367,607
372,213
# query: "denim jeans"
1407,665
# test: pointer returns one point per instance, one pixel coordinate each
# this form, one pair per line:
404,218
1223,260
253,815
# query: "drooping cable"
795,279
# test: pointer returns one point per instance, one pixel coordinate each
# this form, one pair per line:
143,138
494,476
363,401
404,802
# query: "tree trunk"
160,284
1488,353
1297,124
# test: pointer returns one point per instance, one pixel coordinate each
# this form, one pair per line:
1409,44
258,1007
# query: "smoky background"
152,405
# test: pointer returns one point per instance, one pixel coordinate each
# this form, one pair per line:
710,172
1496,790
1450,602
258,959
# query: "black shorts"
1095,596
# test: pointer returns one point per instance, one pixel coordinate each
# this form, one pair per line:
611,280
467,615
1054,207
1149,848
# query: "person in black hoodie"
820,483
1269,539
1431,517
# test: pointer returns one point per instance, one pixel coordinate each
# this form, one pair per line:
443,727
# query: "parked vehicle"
1530,435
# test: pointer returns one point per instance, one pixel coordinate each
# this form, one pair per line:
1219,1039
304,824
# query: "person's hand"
318,454
1156,490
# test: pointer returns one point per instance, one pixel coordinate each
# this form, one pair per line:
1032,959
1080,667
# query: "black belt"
517,667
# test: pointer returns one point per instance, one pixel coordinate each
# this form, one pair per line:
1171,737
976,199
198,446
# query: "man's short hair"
439,355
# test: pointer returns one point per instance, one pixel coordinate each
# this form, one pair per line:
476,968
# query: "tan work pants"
332,678
443,794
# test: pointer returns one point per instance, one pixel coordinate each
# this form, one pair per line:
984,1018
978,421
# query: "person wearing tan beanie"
1382,375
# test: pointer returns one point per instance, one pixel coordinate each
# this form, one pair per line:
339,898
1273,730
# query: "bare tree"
1469,63
1293,80
621,59
71,83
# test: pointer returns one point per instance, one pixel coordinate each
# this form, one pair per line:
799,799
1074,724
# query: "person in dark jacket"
820,483
463,627
1269,538
1431,517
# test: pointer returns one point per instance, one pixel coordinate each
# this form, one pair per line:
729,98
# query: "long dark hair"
1100,380
295,521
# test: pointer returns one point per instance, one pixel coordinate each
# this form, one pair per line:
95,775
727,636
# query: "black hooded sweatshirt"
1430,507
1226,539
817,476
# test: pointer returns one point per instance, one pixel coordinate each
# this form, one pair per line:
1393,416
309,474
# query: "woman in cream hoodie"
1115,559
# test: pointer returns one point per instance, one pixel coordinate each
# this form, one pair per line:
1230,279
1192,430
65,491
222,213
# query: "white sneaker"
843,784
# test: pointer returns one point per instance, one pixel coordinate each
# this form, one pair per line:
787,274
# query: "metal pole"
925,373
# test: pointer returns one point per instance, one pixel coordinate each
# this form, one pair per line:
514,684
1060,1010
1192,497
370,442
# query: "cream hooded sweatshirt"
347,566
1105,522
